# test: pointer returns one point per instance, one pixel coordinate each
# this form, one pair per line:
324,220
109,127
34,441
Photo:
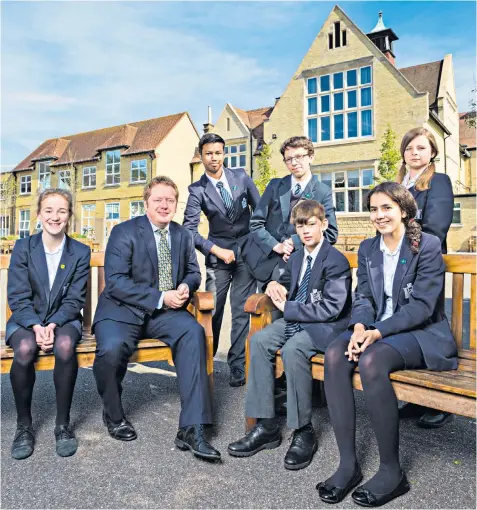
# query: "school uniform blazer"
131,270
436,207
326,312
270,223
29,295
418,282
225,233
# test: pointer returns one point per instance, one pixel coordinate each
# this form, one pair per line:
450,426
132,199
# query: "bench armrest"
259,304
203,301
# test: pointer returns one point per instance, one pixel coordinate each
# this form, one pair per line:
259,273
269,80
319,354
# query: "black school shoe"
365,497
257,439
23,442
302,448
333,494
66,442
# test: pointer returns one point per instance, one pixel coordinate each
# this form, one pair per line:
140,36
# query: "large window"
350,189
24,225
3,191
136,208
4,226
456,217
339,106
89,177
87,220
113,167
64,179
44,175
235,156
25,184
139,170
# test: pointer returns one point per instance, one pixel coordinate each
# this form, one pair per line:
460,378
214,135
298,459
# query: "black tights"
22,373
375,365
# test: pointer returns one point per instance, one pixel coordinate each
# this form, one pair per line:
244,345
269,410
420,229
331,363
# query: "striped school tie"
293,327
164,260
229,205
297,190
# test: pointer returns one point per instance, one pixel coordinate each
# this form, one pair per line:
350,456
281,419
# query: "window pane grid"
113,168
44,175
350,95
139,170
89,177
87,220
24,225
136,208
237,156
25,184
350,189
64,179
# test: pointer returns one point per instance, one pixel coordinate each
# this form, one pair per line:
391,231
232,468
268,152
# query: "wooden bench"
201,306
452,391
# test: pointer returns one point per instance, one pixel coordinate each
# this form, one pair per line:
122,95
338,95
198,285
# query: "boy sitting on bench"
314,294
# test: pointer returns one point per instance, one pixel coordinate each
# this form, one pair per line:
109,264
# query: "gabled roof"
467,134
137,137
425,78
254,119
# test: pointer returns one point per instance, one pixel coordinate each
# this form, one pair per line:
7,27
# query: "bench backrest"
456,264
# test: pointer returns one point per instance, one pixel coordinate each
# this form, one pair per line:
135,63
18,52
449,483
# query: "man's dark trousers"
116,342
219,280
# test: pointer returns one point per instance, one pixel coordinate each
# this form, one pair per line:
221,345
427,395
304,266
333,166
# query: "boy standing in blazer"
227,197
274,236
314,294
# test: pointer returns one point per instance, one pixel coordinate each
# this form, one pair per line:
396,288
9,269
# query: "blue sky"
75,66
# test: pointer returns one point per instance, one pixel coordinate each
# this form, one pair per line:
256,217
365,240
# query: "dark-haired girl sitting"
397,323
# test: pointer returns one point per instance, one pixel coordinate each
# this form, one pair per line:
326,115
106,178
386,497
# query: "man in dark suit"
151,271
314,294
273,236
226,197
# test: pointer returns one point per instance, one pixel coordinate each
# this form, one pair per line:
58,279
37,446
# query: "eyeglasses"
298,159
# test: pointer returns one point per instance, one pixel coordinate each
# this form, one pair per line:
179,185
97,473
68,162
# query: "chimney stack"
209,126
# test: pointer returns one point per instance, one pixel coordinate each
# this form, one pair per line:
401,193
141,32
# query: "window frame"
44,172
323,89
138,181
457,208
25,223
61,178
238,154
89,175
4,225
87,222
346,188
24,181
131,215
113,169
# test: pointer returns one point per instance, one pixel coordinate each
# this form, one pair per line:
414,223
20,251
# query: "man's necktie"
164,260
229,205
293,327
297,190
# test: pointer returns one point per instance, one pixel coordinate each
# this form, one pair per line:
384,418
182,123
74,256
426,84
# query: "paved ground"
151,473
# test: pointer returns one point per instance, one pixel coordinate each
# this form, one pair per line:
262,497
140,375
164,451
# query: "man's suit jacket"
29,296
436,207
225,233
326,312
270,223
131,270
417,285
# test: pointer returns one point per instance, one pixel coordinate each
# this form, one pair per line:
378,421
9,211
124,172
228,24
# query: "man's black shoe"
409,410
66,442
333,494
365,497
434,419
259,438
237,377
123,430
302,448
193,438
23,442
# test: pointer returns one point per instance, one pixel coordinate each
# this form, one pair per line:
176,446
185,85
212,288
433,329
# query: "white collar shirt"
156,237
222,179
303,184
408,182
390,262
313,256
53,260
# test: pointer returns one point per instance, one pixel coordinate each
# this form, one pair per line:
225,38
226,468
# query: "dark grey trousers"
296,354
241,283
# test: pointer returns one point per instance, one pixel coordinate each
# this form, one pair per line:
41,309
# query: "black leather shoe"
365,497
334,494
23,442
66,442
409,410
193,438
258,438
434,419
237,377
123,431
302,448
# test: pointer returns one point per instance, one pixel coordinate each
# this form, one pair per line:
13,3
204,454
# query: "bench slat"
457,307
473,310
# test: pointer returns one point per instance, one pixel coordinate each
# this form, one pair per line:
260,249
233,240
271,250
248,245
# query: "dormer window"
113,167
44,175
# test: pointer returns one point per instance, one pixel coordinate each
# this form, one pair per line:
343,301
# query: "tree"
266,172
390,155
470,116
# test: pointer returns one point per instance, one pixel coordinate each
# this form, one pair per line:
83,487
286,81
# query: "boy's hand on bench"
276,292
